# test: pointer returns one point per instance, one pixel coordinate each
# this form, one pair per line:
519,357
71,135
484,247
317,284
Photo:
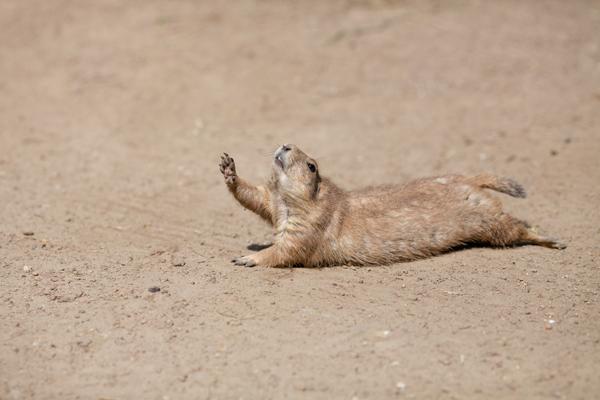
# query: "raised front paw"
246,261
227,167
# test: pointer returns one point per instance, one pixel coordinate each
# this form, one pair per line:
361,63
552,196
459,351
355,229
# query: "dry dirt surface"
113,115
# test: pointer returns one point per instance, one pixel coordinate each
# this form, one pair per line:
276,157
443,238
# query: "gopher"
316,223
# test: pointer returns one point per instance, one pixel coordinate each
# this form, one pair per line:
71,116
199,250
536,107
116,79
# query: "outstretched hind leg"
510,231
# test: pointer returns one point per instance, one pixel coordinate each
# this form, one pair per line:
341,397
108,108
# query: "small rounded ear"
317,186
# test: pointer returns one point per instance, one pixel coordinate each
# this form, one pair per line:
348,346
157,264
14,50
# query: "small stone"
553,152
383,334
549,324
28,233
401,385
154,289
27,268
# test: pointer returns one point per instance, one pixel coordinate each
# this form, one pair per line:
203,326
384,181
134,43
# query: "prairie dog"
317,224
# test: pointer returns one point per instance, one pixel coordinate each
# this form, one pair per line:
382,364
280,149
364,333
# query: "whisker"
266,155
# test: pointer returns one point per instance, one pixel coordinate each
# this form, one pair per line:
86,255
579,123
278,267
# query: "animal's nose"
286,147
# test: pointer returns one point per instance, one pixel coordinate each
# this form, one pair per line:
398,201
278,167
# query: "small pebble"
549,324
28,233
553,152
27,268
154,289
383,334
401,385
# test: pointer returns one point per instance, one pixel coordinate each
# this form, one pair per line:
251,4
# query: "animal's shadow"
258,246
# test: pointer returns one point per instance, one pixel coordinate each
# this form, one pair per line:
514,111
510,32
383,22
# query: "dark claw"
242,262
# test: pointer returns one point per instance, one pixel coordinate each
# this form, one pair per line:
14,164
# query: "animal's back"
418,219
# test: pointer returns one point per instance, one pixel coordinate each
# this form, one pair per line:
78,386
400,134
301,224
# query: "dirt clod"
178,263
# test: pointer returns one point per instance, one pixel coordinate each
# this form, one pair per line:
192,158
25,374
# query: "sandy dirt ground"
113,115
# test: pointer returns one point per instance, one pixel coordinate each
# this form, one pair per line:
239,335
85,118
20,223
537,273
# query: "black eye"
312,167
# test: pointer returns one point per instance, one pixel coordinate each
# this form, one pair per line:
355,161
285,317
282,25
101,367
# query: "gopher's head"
295,173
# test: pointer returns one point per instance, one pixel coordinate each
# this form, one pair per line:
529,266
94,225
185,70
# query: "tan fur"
316,223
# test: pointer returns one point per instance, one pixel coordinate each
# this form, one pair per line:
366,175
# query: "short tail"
499,184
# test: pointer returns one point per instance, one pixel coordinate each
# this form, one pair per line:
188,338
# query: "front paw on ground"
244,261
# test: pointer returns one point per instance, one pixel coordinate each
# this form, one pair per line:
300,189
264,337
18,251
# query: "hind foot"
554,243
546,241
